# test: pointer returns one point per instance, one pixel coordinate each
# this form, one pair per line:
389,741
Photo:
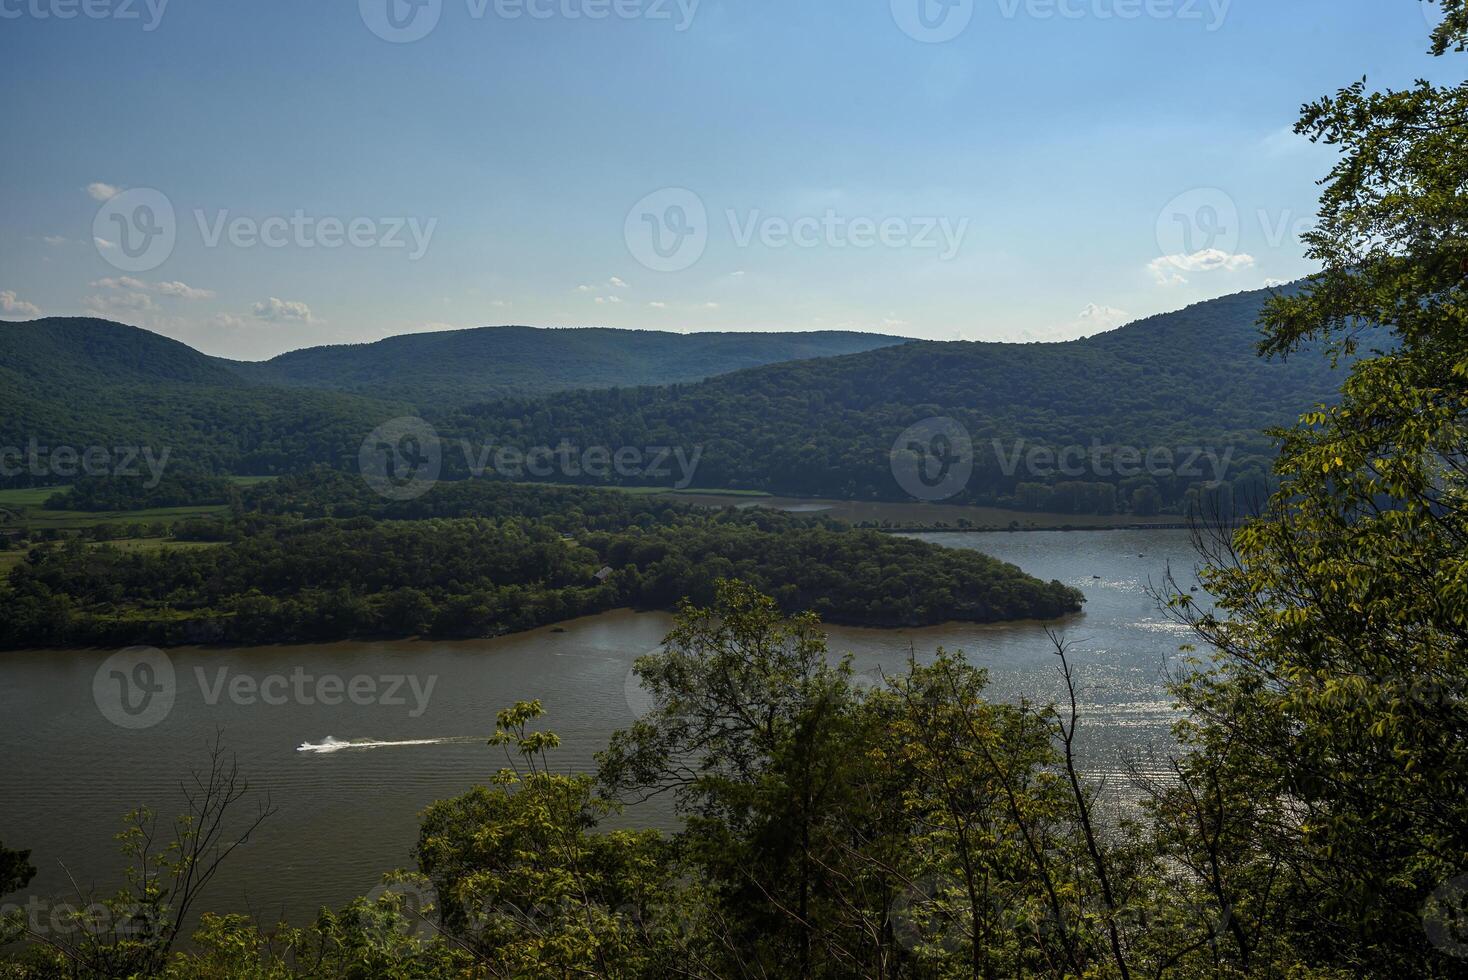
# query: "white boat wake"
330,744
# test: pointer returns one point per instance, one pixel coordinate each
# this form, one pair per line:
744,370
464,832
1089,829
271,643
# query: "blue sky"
1054,168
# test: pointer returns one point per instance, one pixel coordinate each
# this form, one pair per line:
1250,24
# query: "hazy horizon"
593,326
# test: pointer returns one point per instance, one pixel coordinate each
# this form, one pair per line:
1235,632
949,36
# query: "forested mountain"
461,366
83,382
1178,381
55,354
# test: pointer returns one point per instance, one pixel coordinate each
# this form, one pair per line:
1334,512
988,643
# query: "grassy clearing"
27,497
689,492
73,520
26,509
9,559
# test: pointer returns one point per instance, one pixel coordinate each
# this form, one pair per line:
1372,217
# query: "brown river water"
351,740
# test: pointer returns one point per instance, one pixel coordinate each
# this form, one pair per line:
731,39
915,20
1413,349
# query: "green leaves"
1334,719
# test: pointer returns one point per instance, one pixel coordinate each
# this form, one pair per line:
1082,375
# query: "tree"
16,870
527,886
1334,708
132,933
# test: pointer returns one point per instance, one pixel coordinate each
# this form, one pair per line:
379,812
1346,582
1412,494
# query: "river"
351,740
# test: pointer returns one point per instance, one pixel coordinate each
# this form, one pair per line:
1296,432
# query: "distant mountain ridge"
461,366
89,351
435,368
822,426
85,382
1177,381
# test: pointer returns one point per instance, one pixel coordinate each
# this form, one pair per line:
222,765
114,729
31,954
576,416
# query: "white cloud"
182,291
12,305
616,283
175,289
226,321
583,288
120,302
1168,269
99,191
1271,283
1093,318
103,243
604,300
121,282
738,275
1097,319
276,310
55,241
658,305
711,306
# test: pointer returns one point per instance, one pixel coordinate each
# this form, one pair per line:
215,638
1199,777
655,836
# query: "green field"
689,492
24,508
9,559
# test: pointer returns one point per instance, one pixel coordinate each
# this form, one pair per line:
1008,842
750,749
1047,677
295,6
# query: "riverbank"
918,516
346,816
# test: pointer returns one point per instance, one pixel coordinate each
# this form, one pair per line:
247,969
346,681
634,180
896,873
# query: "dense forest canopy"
1186,387
1182,391
317,557
456,367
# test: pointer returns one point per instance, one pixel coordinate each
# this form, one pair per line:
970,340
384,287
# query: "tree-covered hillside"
827,427
822,427
456,367
479,558
59,353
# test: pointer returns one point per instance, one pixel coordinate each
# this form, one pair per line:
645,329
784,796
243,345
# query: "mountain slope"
819,427
463,366
57,353
83,384
828,427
